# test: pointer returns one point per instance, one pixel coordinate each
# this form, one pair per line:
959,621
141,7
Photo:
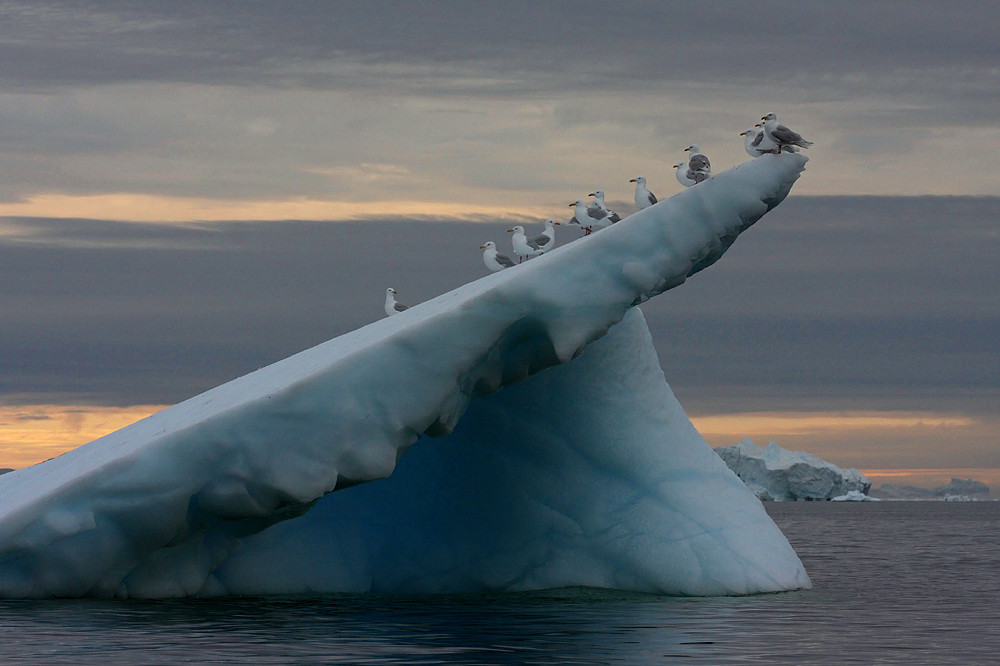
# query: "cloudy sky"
191,190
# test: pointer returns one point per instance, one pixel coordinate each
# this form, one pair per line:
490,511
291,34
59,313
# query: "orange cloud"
152,208
807,423
866,439
32,433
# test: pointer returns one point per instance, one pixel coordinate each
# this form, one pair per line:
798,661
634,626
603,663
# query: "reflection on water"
894,582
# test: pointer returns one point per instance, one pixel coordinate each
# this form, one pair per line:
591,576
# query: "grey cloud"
611,46
264,100
859,302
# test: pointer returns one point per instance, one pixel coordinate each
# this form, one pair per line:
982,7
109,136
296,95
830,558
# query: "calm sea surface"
895,582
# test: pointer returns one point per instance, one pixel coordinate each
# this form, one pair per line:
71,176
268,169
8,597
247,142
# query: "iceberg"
955,489
776,474
515,433
854,496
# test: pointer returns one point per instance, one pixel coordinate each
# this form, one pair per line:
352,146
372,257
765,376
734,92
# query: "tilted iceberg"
515,433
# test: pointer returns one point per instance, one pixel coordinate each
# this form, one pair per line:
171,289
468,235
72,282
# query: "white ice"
512,473
777,474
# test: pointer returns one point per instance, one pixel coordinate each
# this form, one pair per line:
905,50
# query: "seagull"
589,219
524,247
493,259
781,135
643,197
599,200
699,167
755,142
391,306
684,175
547,239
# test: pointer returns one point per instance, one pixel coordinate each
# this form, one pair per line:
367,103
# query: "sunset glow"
812,423
30,434
153,208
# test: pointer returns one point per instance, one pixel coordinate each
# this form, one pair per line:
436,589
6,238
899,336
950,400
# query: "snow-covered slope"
580,475
774,473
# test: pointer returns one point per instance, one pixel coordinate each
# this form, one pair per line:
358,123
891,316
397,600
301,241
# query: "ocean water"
895,582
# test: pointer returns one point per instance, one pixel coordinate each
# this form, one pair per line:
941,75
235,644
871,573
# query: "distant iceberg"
956,490
516,433
775,474
854,496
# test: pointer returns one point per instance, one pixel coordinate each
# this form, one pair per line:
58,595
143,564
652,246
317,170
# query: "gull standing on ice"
599,200
547,239
643,197
391,306
493,259
524,247
781,135
755,142
699,168
684,175
590,219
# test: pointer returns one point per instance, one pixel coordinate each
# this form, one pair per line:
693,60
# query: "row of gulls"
768,137
595,216
765,138
696,169
525,247
771,137
590,218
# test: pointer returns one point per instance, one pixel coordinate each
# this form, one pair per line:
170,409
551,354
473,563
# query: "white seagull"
589,219
524,247
755,142
599,200
684,175
547,239
699,168
391,306
493,259
781,135
643,197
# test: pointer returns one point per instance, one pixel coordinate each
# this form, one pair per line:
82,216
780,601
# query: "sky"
189,191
